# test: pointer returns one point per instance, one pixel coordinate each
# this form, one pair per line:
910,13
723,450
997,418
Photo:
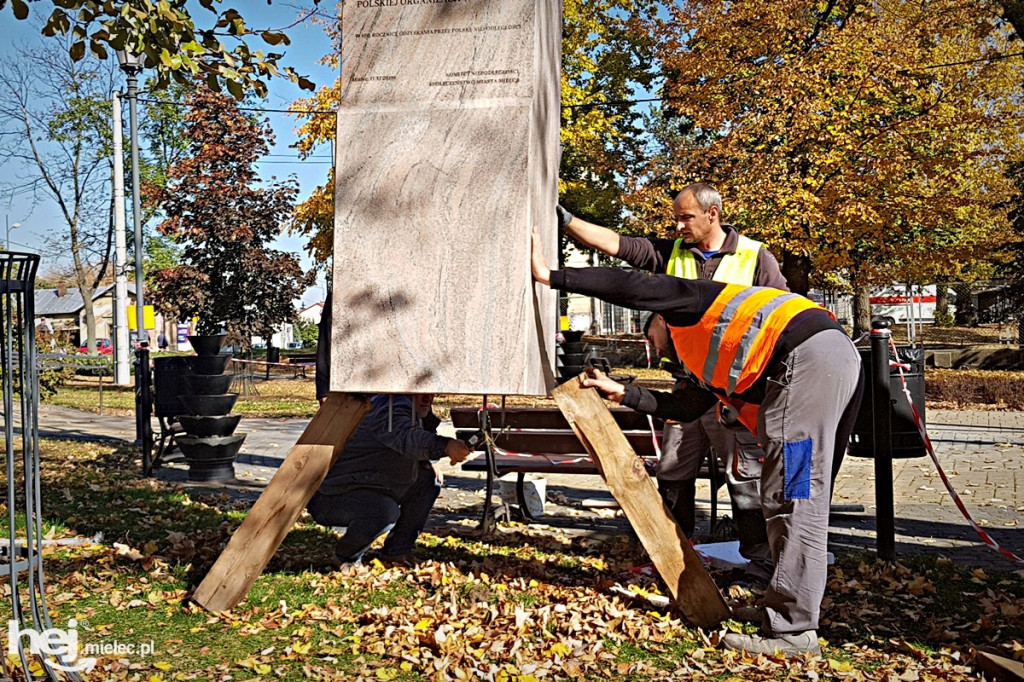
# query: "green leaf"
77,50
274,38
20,9
57,23
236,90
98,49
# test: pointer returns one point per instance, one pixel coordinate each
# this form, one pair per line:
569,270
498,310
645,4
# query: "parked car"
103,347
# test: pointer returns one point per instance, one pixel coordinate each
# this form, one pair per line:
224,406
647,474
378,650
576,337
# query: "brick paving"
981,451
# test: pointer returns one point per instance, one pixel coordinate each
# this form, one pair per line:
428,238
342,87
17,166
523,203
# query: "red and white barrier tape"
982,533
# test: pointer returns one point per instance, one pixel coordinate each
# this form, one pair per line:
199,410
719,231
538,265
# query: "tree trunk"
941,298
966,314
861,310
797,271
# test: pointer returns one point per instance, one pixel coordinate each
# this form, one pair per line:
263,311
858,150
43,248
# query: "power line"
256,109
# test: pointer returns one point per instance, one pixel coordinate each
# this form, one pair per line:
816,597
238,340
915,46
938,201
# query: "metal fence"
32,651
594,316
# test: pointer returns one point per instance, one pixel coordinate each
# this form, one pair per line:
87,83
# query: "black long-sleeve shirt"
682,303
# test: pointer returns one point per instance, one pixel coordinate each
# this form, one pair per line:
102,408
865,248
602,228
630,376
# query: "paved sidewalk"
982,452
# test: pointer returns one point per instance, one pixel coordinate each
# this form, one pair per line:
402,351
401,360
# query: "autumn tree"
175,44
866,139
606,59
55,127
223,219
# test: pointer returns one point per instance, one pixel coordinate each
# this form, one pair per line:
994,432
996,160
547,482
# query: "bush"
964,387
943,318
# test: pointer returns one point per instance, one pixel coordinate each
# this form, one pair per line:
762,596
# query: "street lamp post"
9,226
131,64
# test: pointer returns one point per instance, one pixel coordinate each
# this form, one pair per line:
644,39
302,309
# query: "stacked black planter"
572,355
210,443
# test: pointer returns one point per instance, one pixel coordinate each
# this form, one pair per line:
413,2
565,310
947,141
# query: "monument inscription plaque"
447,156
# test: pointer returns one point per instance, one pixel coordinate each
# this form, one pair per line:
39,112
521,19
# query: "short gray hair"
705,194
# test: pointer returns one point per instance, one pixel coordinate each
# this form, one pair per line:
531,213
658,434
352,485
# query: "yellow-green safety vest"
735,268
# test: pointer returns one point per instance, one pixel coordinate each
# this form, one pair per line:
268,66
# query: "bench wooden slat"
558,442
539,418
535,464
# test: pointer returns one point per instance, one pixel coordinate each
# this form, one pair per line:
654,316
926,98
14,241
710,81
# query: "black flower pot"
211,459
207,344
209,364
209,384
209,405
205,427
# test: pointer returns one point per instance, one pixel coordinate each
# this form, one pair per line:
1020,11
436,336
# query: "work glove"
564,217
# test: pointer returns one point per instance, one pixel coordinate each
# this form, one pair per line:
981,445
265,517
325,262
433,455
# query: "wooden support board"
998,667
277,509
692,588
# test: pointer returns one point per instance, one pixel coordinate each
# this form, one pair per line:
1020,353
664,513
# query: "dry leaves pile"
525,604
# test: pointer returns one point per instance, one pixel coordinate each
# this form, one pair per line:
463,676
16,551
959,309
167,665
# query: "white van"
899,304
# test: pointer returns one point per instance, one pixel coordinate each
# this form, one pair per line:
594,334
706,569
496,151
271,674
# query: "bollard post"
881,408
144,407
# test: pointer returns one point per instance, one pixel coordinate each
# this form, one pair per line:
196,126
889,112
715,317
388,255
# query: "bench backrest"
545,430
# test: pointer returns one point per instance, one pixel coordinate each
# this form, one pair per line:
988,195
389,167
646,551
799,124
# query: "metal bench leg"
487,520
521,497
713,471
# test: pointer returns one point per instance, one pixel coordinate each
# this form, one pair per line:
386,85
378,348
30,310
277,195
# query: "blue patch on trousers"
797,458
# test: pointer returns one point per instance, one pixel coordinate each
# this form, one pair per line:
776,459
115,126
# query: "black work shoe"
748,614
791,643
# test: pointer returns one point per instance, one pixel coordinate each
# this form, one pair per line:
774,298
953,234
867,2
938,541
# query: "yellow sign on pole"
148,317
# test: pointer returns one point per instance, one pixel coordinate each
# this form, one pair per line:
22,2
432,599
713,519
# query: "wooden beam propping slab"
692,588
275,512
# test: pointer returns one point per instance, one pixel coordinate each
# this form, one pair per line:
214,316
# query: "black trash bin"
906,439
169,382
273,354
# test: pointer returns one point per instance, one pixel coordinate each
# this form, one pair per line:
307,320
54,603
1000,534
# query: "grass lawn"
527,604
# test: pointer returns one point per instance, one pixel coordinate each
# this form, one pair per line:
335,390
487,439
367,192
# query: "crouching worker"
384,480
792,375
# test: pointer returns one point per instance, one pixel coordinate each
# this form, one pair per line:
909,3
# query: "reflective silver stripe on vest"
748,338
724,318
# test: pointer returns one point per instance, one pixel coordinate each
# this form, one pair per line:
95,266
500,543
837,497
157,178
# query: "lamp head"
130,62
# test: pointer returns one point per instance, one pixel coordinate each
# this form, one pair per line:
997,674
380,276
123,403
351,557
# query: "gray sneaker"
790,643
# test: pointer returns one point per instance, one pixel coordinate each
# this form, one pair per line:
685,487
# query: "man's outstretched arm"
591,236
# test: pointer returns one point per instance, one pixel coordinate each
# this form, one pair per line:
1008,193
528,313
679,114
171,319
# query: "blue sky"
309,44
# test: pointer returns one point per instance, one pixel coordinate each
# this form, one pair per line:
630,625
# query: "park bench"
539,440
97,366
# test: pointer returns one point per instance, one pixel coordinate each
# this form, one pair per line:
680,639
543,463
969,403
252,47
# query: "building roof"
48,303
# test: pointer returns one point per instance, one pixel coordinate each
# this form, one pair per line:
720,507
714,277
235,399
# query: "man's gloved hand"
564,217
727,416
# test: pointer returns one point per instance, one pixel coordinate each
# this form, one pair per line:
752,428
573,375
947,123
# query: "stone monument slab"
447,156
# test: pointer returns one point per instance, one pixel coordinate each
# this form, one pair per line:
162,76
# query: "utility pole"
131,64
122,367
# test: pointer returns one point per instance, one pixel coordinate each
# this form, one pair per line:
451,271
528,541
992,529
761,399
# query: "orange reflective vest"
729,348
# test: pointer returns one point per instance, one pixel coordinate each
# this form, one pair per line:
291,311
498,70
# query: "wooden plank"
541,418
275,512
998,667
557,442
692,588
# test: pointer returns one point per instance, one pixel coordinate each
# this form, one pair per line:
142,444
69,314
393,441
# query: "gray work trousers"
804,425
684,447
